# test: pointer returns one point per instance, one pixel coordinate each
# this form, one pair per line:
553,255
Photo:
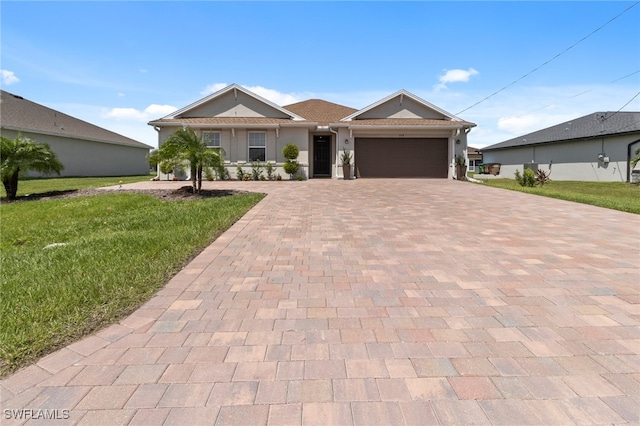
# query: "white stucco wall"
569,160
88,158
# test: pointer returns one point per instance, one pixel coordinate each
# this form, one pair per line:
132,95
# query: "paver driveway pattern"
372,302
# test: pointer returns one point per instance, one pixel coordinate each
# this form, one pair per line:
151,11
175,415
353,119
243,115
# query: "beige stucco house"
398,136
83,148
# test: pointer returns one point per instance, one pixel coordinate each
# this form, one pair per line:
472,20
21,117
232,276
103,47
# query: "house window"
211,139
257,146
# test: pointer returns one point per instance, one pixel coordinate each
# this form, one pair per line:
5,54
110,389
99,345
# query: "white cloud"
151,112
8,77
213,88
455,76
272,95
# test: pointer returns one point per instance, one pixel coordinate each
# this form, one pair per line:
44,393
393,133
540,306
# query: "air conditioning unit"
531,166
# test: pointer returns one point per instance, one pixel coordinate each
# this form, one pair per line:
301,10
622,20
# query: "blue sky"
120,64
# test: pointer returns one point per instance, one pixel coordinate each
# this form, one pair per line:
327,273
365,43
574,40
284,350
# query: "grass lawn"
42,185
612,195
120,248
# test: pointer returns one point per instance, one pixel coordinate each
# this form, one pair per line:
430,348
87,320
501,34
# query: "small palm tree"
20,155
185,145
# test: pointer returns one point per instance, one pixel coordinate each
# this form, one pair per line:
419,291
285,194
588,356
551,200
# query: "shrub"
527,178
270,170
542,177
291,168
290,151
208,173
222,172
256,170
239,173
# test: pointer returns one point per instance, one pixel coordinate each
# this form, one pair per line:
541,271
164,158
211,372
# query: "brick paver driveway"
373,302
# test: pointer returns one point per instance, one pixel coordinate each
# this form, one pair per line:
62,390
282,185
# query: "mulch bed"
184,193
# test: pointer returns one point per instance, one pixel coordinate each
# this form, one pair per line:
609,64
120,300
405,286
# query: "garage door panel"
401,157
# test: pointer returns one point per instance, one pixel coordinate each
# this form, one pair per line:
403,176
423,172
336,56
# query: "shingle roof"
589,126
323,112
17,113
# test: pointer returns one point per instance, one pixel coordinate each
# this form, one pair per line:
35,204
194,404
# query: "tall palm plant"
20,155
185,144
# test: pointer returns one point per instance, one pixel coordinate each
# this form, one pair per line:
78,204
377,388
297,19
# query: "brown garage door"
401,157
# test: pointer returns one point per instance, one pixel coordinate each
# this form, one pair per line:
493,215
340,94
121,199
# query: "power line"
585,92
620,109
547,62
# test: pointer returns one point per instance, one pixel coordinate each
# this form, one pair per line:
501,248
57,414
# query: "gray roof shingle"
590,126
17,113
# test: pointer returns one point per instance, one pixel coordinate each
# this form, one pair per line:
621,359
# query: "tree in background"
185,145
20,155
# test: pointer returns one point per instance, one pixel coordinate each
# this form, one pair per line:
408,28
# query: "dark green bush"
290,151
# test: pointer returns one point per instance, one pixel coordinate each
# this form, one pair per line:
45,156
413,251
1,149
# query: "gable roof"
232,87
590,126
312,113
323,112
20,114
401,94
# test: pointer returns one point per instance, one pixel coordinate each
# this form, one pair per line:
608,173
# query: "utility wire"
628,102
584,92
555,57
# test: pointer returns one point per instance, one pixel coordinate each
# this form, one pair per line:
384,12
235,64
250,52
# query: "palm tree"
22,154
184,144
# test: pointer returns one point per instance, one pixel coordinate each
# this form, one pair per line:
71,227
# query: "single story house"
596,147
398,136
83,148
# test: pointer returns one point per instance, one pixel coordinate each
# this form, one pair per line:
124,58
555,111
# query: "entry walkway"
372,302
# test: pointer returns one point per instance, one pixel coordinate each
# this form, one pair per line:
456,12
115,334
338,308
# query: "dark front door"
322,155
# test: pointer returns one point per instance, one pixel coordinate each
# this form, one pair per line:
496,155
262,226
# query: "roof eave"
81,138
409,95
224,90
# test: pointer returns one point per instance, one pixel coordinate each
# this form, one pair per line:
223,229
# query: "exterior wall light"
346,141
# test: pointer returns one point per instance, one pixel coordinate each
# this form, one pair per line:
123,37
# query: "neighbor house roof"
20,114
590,126
323,112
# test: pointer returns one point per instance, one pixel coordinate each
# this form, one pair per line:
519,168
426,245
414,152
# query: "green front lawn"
612,195
111,253
43,185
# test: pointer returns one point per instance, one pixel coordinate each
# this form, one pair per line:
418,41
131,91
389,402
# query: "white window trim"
249,146
213,132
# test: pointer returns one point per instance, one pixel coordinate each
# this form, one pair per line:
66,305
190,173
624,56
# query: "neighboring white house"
83,148
398,136
596,147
